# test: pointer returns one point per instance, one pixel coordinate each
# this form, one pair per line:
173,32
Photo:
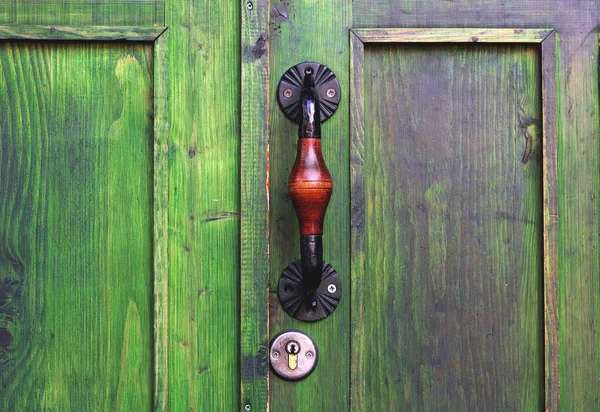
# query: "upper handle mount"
326,86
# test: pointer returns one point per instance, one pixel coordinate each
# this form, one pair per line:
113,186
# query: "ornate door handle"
309,289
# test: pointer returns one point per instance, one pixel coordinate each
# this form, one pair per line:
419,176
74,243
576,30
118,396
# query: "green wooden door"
461,153
144,215
76,284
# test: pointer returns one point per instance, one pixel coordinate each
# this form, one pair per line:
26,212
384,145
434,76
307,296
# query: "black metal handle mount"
310,288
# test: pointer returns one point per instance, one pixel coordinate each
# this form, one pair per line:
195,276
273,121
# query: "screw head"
275,355
331,288
247,407
288,93
309,355
330,92
250,7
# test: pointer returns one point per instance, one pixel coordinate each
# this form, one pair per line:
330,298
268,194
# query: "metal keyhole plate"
293,355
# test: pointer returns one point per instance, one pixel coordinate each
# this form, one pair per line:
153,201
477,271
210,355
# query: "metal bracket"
309,307
326,85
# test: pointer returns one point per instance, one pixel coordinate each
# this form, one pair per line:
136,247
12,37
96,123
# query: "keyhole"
292,348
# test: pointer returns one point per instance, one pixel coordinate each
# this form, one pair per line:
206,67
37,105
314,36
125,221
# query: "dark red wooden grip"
310,186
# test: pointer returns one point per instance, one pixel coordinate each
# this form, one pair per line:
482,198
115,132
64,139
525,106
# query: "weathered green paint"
80,12
204,204
300,32
449,309
576,23
75,226
254,187
78,33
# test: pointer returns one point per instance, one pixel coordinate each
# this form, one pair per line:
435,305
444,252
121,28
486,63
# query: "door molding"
159,37
546,39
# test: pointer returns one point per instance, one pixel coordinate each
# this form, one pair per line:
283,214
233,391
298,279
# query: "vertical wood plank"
204,204
441,279
75,226
550,194
579,211
357,224
161,223
255,186
301,31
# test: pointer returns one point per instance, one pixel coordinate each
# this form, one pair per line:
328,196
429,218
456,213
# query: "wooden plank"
455,288
161,223
578,157
300,32
550,192
75,225
578,161
78,13
563,15
95,33
255,186
204,205
358,400
452,35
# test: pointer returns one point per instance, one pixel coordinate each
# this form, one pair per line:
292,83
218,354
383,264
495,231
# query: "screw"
288,93
275,355
330,92
250,7
331,288
247,407
309,355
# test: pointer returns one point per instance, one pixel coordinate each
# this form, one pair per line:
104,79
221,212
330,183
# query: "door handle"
309,289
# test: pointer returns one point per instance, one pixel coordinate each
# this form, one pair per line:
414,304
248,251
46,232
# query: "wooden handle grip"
310,186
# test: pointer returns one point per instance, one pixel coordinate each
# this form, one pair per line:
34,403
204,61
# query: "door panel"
76,226
450,309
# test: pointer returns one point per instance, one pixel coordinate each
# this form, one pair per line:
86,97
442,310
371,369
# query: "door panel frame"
158,36
546,39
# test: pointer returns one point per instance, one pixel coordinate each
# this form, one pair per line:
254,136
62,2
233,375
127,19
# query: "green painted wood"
254,186
70,33
301,32
449,307
75,226
203,51
78,12
161,222
576,23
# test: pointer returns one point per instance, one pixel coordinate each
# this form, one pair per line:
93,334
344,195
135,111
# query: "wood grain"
551,251
71,33
255,185
299,32
310,187
204,205
578,158
161,223
452,251
81,12
75,237
452,35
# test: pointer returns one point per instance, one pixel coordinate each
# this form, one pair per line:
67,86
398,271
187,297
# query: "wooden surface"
578,157
203,51
310,187
452,249
254,186
299,32
75,238
161,222
81,12
452,35
67,33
